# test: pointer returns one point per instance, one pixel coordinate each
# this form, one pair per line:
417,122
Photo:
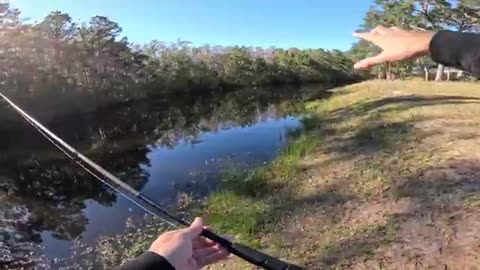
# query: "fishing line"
79,163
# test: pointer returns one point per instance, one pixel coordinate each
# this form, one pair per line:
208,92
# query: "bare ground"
395,183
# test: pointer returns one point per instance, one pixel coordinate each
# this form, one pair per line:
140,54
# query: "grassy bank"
383,176
245,197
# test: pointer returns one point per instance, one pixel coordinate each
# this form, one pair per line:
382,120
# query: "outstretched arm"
455,49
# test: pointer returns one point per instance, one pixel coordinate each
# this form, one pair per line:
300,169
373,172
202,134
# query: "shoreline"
388,174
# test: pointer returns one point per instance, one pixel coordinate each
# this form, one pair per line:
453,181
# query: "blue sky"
280,23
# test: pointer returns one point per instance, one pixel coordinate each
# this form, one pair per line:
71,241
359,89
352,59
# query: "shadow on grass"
442,186
376,135
440,191
438,227
404,103
360,244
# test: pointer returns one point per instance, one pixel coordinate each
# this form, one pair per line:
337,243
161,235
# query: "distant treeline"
60,65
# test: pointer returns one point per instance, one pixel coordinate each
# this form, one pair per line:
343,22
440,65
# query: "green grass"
242,203
285,166
231,214
473,200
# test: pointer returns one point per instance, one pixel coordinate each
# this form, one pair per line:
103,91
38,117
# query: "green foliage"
66,66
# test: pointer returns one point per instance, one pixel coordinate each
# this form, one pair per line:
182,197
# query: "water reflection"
160,146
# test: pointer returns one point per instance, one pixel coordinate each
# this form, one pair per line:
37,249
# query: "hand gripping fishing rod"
248,254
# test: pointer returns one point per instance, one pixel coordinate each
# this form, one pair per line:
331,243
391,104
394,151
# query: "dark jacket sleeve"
147,261
455,49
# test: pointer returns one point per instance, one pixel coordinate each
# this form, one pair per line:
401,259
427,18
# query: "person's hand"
397,44
186,250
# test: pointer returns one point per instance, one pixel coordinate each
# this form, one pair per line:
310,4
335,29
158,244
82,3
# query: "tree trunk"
440,70
448,74
389,71
381,72
427,73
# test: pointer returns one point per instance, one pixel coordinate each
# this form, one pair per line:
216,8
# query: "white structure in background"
449,73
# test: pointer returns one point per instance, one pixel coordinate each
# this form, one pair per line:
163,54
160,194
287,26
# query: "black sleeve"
147,261
455,49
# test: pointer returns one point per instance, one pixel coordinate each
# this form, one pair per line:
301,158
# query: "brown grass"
394,184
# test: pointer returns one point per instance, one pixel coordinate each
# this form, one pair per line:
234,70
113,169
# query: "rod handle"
251,255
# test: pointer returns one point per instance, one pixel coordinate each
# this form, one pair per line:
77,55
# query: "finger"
370,62
201,242
368,36
208,228
213,258
192,264
195,229
382,30
206,251
228,237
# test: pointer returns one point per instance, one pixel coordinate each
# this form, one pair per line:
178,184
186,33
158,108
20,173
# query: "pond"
163,147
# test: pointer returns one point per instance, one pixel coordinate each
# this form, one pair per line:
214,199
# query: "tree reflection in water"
41,190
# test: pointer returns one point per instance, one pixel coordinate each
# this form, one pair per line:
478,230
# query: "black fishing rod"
248,254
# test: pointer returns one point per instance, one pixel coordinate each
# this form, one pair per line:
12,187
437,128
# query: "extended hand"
397,44
186,250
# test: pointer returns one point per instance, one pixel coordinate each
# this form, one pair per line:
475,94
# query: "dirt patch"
410,165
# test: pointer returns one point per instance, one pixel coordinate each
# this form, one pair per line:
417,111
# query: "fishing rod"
246,253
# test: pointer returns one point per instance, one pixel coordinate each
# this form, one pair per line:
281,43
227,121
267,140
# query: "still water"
162,147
